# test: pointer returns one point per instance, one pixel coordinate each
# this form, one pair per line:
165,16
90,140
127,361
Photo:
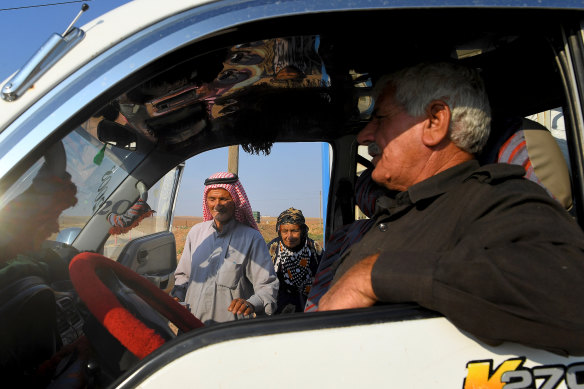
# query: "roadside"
267,225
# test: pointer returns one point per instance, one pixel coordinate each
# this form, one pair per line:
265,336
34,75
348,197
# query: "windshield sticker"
102,191
512,375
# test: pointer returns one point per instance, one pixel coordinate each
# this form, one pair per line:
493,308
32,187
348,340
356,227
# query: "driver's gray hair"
458,86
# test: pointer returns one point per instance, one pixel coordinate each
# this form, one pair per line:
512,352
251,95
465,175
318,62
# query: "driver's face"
220,204
43,232
397,137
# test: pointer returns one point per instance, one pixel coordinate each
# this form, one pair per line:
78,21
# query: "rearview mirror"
115,134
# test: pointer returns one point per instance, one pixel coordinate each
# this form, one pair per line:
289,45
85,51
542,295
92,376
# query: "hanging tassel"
129,219
98,159
122,223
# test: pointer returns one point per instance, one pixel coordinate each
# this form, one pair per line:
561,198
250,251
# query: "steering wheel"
129,330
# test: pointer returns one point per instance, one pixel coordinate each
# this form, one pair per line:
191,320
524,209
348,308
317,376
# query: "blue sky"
290,176
26,29
283,179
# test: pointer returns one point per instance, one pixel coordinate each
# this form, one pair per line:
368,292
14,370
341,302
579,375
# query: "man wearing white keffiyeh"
225,272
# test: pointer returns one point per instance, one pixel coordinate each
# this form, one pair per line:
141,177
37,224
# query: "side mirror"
116,135
68,235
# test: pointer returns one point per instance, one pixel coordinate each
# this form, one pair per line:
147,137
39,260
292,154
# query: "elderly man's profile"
484,246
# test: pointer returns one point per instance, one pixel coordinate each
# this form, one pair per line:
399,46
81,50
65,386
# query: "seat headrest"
529,144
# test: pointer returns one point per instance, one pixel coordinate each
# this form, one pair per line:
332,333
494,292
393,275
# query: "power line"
43,5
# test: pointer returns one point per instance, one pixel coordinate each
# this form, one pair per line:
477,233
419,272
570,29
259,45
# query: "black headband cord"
226,180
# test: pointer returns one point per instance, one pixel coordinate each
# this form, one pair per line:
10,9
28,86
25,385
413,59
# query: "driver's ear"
438,117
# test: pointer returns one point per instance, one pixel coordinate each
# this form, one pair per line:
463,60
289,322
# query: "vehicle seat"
524,142
28,328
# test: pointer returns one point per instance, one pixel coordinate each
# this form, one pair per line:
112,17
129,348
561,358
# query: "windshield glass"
96,169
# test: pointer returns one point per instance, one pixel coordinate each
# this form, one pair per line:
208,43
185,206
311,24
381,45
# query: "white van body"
401,346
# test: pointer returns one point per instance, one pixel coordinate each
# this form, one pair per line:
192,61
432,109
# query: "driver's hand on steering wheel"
241,307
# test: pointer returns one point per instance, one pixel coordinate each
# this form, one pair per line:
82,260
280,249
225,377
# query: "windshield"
96,169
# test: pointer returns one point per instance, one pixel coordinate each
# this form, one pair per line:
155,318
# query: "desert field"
267,225
181,226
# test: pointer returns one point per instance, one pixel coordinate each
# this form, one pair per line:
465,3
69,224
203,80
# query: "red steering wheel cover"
102,303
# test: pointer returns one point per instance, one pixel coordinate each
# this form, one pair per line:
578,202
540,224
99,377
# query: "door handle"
142,257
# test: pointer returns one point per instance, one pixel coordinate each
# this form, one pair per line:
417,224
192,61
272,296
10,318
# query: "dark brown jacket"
488,249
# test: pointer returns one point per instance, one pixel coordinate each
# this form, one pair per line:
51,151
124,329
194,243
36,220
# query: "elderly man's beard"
222,214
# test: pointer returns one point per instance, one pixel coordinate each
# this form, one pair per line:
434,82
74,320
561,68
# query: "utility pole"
233,159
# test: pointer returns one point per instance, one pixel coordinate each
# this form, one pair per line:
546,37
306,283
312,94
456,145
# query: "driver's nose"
365,136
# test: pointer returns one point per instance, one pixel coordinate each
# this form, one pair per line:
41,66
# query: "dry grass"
267,225
181,227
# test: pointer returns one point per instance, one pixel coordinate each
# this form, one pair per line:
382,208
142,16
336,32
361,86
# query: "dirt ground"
267,225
